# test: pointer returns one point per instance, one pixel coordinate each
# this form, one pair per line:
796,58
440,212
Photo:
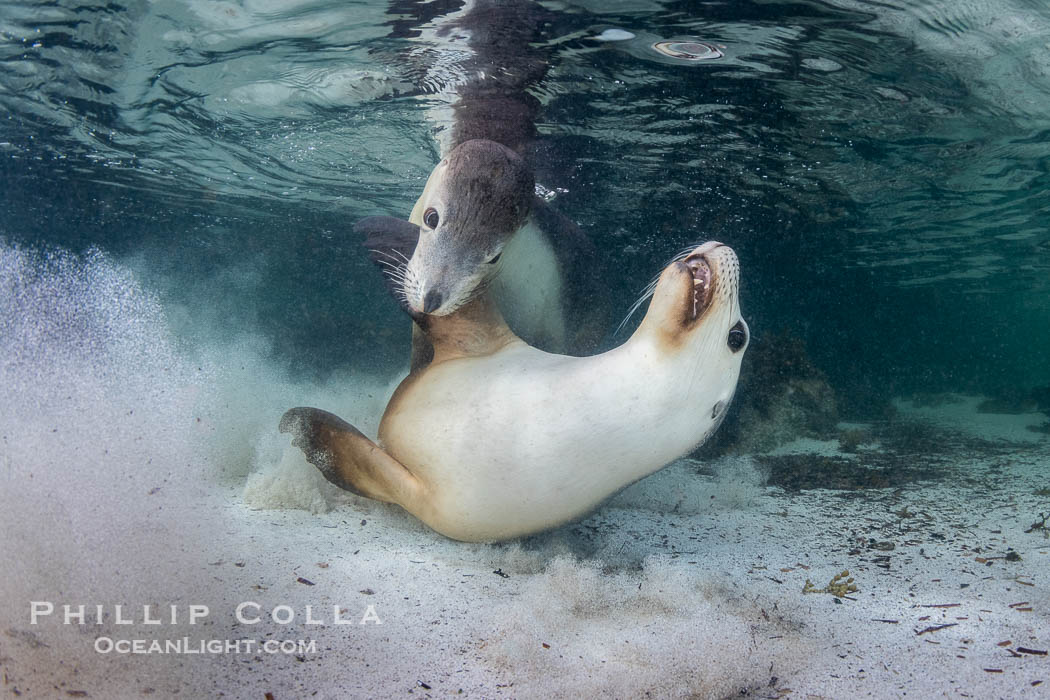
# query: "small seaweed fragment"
1040,525
840,586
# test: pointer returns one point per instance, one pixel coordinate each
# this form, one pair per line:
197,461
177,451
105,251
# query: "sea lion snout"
703,283
442,276
476,199
704,266
700,286
432,301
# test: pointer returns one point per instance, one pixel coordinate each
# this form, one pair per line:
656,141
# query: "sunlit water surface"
882,170
178,184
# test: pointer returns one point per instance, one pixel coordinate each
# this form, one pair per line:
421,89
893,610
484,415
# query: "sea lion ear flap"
389,240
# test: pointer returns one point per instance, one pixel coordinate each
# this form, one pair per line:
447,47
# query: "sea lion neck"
475,329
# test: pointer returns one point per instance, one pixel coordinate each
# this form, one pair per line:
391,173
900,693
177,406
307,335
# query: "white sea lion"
495,439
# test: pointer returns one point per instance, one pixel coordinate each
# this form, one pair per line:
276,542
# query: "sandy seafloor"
141,469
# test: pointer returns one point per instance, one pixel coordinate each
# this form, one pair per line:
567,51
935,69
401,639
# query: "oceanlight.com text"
185,645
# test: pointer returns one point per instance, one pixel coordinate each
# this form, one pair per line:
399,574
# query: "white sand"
125,463
961,413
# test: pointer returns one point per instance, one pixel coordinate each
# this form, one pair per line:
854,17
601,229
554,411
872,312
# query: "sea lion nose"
432,300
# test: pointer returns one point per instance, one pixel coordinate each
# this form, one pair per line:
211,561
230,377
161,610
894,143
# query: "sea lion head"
474,201
694,315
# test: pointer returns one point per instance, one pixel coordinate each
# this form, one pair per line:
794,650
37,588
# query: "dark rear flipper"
347,458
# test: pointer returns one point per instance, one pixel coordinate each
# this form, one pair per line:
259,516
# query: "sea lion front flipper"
587,290
347,458
385,235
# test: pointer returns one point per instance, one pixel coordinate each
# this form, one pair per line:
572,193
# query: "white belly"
529,289
524,440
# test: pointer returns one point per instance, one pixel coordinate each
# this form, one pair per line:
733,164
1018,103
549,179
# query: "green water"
178,185
881,169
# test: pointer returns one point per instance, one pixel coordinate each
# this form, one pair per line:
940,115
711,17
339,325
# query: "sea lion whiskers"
393,264
394,251
395,257
647,291
395,270
411,285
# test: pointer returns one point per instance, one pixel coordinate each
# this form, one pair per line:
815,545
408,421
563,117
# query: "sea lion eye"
431,218
737,337
495,258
